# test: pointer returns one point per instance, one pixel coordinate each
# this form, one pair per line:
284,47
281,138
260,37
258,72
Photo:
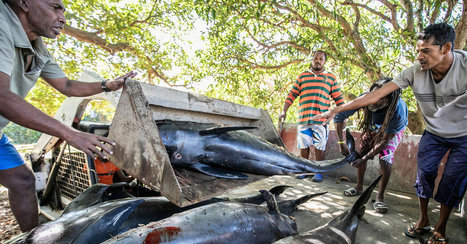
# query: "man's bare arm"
340,137
283,114
73,88
365,100
379,146
17,110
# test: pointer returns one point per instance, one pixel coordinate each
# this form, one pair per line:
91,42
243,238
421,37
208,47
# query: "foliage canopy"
248,51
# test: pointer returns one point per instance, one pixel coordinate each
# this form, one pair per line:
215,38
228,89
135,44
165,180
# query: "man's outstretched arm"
365,100
17,110
73,88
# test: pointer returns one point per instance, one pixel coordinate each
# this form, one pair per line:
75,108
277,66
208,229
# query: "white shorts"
312,135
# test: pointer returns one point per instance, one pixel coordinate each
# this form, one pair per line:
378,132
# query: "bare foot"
437,238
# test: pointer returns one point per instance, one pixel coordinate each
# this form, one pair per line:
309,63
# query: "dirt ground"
8,225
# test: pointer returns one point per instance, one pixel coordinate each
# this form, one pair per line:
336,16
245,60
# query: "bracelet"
104,87
340,142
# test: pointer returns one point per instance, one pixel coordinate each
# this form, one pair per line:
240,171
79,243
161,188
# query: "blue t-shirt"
398,122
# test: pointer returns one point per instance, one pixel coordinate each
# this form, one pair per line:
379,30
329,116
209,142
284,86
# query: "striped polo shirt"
315,92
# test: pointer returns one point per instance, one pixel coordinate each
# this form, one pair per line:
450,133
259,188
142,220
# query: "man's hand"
90,143
329,115
344,149
357,163
117,83
282,117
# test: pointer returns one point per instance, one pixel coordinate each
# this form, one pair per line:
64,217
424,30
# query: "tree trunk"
416,123
461,29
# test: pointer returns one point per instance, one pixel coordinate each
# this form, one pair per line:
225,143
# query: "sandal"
437,239
351,192
413,232
380,207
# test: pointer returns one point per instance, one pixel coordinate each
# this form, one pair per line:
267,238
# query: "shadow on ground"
374,227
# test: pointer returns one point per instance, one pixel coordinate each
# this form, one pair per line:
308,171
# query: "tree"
365,40
255,48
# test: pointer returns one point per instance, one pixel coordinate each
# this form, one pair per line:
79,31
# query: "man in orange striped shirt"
315,88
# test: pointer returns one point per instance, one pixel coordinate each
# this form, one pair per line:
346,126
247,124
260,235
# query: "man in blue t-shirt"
382,128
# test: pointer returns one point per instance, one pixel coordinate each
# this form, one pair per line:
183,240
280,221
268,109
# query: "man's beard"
317,68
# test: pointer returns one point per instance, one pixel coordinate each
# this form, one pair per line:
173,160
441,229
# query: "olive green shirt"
15,48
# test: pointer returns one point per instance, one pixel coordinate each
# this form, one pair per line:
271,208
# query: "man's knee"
23,179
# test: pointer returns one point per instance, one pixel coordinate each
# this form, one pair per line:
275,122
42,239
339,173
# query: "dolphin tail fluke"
277,190
218,172
363,199
273,207
350,141
333,164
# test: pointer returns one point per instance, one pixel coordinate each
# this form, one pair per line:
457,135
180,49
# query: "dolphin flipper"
218,172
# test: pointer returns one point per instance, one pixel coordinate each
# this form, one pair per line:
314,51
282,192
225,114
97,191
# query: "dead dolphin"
223,222
341,229
225,152
91,222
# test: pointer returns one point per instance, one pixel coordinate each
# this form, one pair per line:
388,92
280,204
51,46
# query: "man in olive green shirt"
23,59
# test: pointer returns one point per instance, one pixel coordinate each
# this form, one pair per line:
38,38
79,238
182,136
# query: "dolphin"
94,222
223,222
341,229
226,152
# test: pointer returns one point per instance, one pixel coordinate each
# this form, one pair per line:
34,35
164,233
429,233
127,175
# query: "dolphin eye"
178,156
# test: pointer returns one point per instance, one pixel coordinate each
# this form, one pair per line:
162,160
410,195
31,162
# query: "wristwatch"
104,87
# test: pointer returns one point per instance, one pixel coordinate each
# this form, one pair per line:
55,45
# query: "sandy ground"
374,228
8,225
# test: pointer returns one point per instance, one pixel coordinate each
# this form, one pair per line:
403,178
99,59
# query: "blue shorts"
453,184
9,156
312,135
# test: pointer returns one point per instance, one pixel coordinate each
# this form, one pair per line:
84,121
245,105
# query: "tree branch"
393,9
254,65
409,9
419,12
281,43
364,6
92,38
372,68
448,14
435,12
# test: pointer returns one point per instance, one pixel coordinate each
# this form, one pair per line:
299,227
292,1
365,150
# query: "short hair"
442,33
323,52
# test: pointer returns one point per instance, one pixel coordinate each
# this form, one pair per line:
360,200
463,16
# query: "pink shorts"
388,152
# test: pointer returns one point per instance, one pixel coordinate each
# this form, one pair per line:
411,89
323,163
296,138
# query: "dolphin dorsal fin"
273,208
221,130
363,199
